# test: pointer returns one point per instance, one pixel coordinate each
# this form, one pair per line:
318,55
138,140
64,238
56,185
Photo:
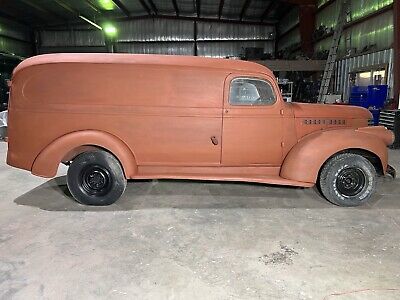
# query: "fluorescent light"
106,4
90,22
110,30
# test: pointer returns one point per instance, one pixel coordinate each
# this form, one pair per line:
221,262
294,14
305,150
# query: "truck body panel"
173,117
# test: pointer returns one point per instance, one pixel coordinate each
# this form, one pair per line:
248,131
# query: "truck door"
252,121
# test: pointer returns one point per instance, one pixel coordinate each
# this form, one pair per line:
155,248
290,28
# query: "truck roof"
150,59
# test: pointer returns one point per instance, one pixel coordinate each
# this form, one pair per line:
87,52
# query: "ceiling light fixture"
110,30
106,4
90,22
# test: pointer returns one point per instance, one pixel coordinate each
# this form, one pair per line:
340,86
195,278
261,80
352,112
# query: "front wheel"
96,178
348,180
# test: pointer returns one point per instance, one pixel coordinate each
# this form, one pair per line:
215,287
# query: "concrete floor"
193,240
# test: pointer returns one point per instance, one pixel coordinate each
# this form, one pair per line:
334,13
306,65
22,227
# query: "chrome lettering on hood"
324,122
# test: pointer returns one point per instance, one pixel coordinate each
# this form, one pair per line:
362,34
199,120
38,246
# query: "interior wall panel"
376,33
167,36
289,39
228,31
155,30
170,48
347,65
231,48
68,38
15,38
291,19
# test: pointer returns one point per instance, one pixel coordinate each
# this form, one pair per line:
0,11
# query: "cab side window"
251,92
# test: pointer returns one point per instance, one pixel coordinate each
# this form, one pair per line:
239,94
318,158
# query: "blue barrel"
373,96
359,90
377,95
359,96
376,115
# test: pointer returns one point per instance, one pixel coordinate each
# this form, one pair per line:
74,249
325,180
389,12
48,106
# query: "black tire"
96,178
348,180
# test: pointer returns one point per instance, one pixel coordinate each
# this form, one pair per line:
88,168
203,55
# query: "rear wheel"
348,180
96,178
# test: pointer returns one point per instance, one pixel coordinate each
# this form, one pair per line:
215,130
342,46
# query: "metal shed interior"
174,238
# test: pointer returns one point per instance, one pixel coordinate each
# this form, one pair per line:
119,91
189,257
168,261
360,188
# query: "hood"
305,110
311,118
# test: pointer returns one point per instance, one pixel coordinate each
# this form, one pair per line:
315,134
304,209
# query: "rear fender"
72,144
306,158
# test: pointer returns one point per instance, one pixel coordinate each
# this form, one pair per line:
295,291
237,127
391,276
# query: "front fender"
47,162
306,158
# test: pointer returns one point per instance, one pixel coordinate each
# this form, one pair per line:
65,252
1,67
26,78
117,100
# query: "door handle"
214,140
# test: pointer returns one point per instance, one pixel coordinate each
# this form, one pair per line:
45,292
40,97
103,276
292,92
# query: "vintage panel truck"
113,117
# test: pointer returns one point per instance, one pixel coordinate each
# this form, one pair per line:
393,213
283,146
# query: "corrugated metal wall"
290,21
166,36
345,66
224,49
289,40
77,40
171,48
229,31
377,31
374,36
152,30
15,39
358,9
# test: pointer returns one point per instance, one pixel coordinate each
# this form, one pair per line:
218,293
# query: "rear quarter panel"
164,114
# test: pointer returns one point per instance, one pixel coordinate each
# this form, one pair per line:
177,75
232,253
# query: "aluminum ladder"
331,61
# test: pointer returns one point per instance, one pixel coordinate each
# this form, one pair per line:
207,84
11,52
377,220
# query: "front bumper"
391,171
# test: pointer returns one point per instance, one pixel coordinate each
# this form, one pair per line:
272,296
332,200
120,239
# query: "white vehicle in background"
3,124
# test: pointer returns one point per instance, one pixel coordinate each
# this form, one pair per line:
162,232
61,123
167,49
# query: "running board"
273,180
